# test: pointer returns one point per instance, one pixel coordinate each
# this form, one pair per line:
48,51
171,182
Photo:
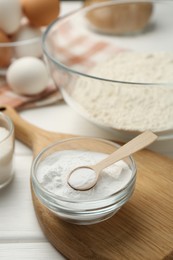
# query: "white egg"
27,76
10,15
31,45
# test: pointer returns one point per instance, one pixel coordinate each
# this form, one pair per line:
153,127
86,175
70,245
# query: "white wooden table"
20,234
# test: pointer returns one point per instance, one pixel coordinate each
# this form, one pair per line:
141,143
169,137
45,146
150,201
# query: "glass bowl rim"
84,10
10,123
44,191
20,43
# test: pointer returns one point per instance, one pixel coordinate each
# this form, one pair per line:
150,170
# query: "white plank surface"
28,251
17,217
20,234
19,229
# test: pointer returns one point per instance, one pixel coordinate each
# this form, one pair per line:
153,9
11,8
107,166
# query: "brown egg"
40,12
124,18
5,52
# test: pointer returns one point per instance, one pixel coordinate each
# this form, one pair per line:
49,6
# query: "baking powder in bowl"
53,171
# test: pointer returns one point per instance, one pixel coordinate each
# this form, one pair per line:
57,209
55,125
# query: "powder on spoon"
81,178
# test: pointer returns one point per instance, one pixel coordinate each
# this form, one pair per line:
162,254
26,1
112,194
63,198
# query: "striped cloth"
81,51
49,96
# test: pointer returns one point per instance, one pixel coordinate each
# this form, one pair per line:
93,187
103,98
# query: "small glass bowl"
82,212
6,151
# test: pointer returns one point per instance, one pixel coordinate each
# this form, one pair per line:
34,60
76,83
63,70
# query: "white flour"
53,171
127,106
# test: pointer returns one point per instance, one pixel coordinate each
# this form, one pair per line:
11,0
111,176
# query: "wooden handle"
24,131
34,137
136,144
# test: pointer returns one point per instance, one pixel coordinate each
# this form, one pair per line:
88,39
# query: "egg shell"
40,12
27,76
31,37
10,15
5,51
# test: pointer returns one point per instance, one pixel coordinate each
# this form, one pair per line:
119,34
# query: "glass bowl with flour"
52,166
119,80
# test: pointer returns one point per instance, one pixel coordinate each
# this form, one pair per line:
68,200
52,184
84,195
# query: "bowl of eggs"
115,69
22,23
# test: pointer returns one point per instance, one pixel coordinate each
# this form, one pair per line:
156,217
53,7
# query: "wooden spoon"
85,177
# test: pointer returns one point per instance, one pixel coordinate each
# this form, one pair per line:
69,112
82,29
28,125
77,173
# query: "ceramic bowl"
83,211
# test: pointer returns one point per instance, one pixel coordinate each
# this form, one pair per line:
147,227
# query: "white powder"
53,171
6,155
81,178
129,106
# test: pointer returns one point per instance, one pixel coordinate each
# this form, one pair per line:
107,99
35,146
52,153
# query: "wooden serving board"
142,229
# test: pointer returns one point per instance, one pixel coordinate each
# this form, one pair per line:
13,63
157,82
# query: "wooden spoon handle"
136,144
34,137
24,131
